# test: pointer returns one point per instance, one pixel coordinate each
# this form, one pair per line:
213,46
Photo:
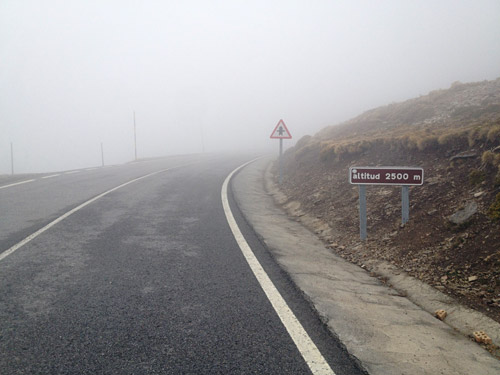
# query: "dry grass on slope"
459,149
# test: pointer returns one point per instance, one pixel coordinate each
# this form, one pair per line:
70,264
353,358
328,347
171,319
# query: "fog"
210,76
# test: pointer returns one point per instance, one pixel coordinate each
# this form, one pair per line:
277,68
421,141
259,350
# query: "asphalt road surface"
134,269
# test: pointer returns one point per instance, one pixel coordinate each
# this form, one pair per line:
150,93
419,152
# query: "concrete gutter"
389,330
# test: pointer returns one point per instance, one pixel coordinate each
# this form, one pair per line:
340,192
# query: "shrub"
476,177
303,151
427,143
477,134
353,148
494,210
412,142
494,134
446,139
364,146
483,133
303,141
488,157
473,136
327,151
453,139
340,150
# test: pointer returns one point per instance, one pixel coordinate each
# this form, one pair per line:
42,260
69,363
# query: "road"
134,269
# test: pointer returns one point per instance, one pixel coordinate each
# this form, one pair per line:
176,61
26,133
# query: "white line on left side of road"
309,351
17,183
17,246
51,176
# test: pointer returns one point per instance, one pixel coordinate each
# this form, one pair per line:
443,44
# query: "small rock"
472,278
464,215
432,181
478,194
432,212
463,155
440,314
482,337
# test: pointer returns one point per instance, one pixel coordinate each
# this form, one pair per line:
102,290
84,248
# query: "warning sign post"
281,132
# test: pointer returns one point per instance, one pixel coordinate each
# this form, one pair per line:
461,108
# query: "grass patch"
476,177
494,210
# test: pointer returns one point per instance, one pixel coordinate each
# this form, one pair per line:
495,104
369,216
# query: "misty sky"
218,73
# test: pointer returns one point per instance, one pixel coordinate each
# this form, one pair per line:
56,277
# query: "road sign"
404,176
281,131
386,176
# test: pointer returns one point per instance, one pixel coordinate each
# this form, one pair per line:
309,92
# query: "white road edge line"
32,236
310,352
71,172
17,183
52,175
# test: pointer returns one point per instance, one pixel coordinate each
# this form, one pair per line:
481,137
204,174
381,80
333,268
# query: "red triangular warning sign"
281,131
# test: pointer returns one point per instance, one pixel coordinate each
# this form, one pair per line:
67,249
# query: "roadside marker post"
402,176
12,157
281,132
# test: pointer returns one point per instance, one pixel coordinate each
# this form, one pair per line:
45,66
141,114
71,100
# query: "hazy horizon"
219,75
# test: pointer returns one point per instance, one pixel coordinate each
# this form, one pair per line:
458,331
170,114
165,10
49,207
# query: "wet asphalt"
146,280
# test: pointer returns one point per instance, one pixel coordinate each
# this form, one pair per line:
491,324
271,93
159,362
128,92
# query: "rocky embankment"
452,241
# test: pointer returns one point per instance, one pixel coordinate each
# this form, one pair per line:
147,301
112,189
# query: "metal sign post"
281,132
281,160
403,176
362,212
405,203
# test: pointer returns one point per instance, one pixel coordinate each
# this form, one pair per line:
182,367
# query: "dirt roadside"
462,261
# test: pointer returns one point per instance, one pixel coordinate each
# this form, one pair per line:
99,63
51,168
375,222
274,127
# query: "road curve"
147,278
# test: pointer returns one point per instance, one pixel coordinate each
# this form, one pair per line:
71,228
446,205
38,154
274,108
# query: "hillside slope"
454,135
